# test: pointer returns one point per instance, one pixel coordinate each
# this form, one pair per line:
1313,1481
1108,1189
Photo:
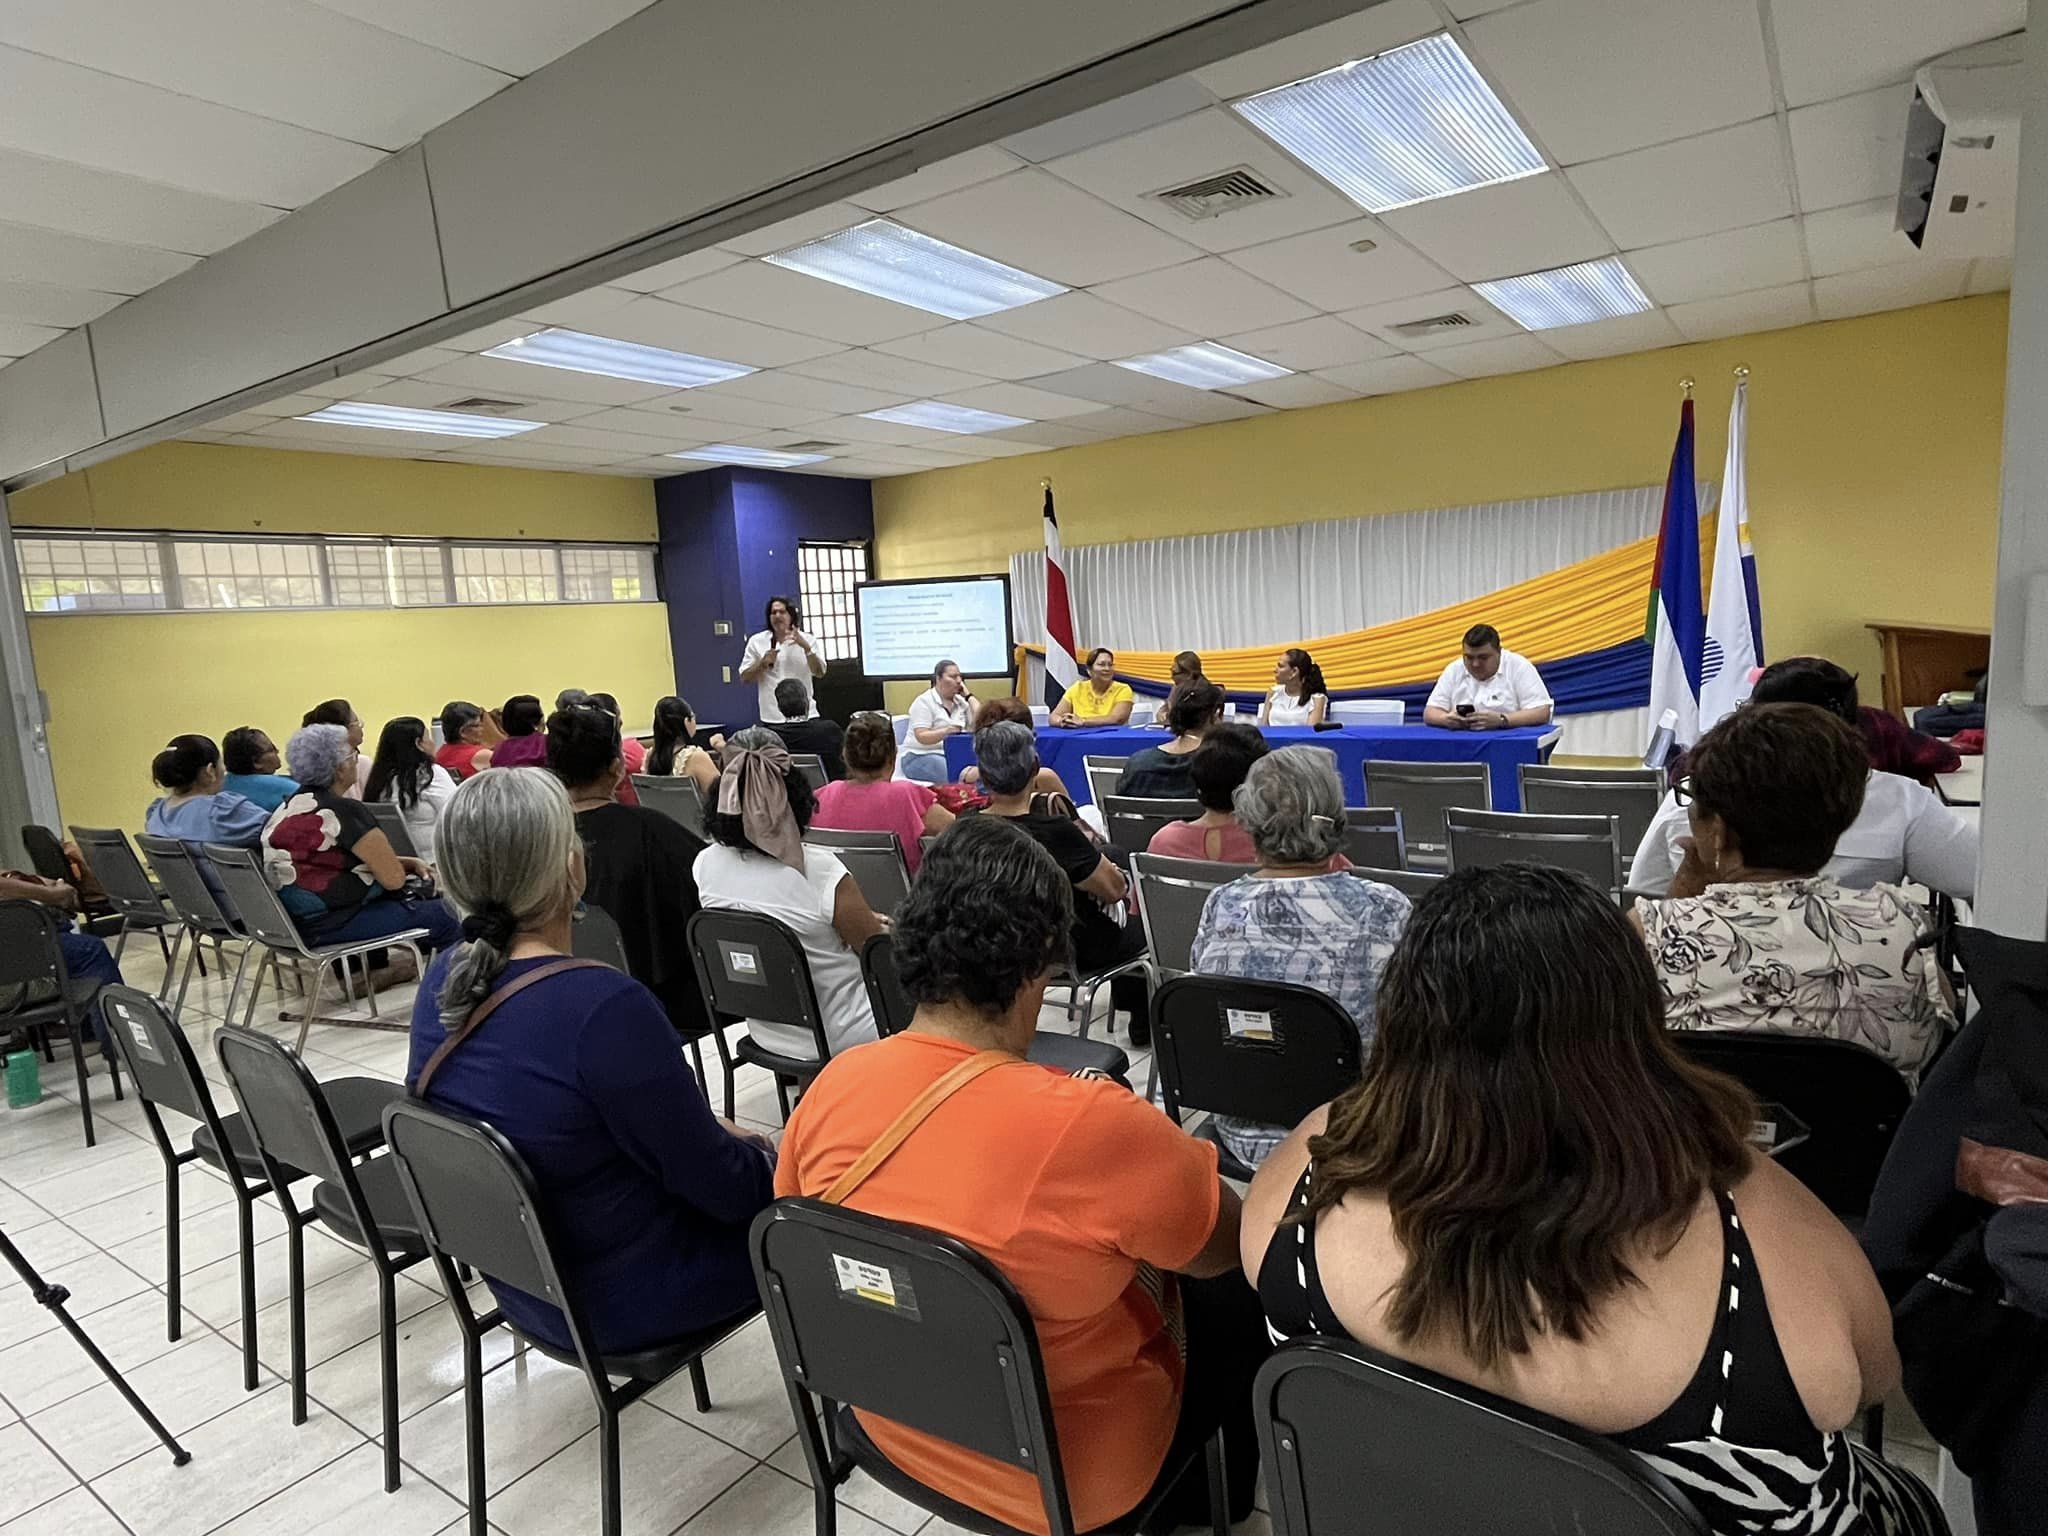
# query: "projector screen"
909,627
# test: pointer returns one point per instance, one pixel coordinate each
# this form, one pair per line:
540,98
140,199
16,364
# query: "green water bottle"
24,1080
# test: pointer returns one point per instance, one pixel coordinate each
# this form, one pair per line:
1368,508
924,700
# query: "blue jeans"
381,916
87,958
927,768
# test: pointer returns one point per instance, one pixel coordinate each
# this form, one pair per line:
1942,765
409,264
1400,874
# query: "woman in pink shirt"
871,799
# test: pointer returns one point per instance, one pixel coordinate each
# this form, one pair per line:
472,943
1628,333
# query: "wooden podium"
1922,662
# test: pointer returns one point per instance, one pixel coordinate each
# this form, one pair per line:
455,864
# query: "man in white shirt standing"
1487,688
779,652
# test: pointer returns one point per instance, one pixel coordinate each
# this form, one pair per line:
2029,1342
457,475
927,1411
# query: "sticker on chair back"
742,964
138,1033
875,1284
1250,1025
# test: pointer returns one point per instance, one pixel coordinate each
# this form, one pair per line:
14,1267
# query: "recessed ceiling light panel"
582,353
1591,290
1415,123
394,418
940,417
1205,365
886,259
751,458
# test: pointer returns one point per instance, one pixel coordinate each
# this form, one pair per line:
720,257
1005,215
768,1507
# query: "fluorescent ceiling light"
1205,365
891,262
941,417
1409,125
581,353
752,458
394,418
1591,290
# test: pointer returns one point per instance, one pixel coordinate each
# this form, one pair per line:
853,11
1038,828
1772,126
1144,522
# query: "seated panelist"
1487,688
1097,699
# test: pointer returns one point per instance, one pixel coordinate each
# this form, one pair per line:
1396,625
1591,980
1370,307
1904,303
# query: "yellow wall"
1874,449
121,684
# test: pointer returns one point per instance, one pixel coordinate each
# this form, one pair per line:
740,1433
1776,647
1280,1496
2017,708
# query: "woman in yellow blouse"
1097,699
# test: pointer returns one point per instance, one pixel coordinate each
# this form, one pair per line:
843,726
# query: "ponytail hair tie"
492,924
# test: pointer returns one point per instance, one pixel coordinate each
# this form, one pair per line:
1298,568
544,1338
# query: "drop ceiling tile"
826,219
525,447
1107,384
1529,225
1035,221
1121,421
1925,281
1020,400
1117,119
517,381
1735,261
897,375
1359,36
855,469
1465,10
1726,179
793,389
1127,171
1387,376
971,349
679,431
1209,297
1059,434
286,405
350,385
1381,320
45,256
1305,345
922,458
1611,338
1087,326
678,269
1323,268
517,36
582,311
103,205
1857,236
420,361
696,406
995,447
426,395
1599,77
1990,274
239,422
937,179
351,439
754,290
18,339
1766,309
620,445
1829,48
1506,354
1295,391
862,429
658,323
48,304
1849,151
485,337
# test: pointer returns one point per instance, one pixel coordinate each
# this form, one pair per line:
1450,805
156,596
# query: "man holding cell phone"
1487,688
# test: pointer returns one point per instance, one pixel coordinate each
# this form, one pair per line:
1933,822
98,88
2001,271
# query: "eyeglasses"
1681,792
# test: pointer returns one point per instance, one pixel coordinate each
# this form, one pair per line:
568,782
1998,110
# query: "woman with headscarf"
759,862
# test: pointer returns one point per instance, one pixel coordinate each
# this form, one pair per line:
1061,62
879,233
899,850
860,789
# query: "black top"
638,864
819,736
1154,773
1098,938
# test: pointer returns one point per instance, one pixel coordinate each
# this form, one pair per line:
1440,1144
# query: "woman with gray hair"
334,867
1301,916
1105,933
577,1065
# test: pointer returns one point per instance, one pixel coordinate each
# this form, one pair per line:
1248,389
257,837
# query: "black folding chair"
1412,883
1630,795
1422,792
1585,845
1357,1443
113,863
205,920
917,1328
295,1131
675,797
1103,773
749,966
1373,837
166,1072
1268,1051
47,858
874,859
1049,1048
37,990
812,767
475,1203
1133,819
1171,896
391,821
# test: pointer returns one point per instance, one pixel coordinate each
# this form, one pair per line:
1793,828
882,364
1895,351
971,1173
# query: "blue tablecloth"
1501,751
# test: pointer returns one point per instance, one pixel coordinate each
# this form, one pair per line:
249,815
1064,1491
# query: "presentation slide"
909,627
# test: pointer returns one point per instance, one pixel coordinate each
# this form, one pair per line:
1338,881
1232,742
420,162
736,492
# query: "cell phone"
1464,709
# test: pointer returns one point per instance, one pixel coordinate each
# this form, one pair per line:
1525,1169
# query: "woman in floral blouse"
1753,936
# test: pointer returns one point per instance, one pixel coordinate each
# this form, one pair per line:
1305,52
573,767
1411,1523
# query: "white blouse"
1282,708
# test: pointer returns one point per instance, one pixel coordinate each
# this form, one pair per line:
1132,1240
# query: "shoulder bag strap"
912,1117
484,1010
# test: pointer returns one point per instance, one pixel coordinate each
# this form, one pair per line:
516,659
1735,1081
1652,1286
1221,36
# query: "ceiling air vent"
484,405
1218,194
814,445
1454,321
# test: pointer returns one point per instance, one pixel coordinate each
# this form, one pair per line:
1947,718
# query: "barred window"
356,577
826,575
419,574
506,573
596,575
247,574
60,575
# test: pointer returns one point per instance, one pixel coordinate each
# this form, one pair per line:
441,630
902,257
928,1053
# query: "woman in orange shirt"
1083,1195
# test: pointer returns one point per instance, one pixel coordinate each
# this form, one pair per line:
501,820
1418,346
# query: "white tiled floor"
75,1462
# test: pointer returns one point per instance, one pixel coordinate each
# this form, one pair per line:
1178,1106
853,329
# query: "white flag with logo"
1735,645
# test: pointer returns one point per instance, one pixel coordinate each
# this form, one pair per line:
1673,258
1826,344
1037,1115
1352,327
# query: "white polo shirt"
1514,685
928,712
790,661
1903,832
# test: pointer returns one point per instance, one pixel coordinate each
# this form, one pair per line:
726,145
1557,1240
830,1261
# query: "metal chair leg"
699,1387
295,1250
613,1517
235,986
1219,1487
184,979
76,1021
173,1247
387,1351
473,1427
246,1222
312,1008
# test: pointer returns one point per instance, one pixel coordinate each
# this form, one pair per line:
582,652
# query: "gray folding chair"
1132,820
37,990
1171,895
1630,795
1422,792
1412,883
874,859
113,863
1104,775
812,767
188,894
392,822
1373,836
1586,845
675,797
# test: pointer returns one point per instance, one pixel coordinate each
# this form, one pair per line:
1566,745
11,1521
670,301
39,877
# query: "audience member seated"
944,709
1903,832
1299,696
197,810
333,866
462,751
1187,668
86,956
632,751
802,731
1016,711
1298,917
1161,772
759,862
871,799
1228,751
1488,688
252,760
1106,932
650,1192
675,727
404,772
1755,935
1533,1192
525,744
638,863
340,712
1080,1193
1098,699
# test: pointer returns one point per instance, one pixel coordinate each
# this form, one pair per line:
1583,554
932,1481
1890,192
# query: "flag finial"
1045,485
1741,371
1686,385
